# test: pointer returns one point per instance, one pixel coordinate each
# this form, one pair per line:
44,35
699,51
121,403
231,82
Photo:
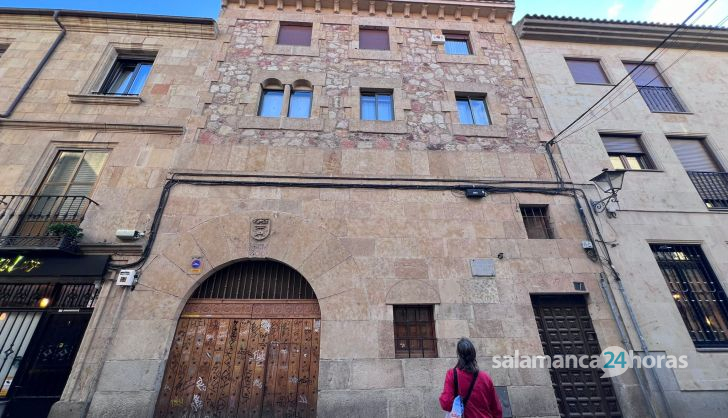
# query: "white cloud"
614,11
675,11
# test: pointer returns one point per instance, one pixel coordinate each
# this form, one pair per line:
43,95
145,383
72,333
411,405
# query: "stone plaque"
482,267
260,228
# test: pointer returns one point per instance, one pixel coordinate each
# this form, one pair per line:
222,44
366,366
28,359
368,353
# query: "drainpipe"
38,68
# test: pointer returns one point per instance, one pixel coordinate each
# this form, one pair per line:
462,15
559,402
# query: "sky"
664,11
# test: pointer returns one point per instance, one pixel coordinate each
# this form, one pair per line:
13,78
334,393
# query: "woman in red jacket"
483,401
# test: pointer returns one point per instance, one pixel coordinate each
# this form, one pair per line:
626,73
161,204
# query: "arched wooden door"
246,345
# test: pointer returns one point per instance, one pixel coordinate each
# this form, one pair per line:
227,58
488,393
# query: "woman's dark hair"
466,356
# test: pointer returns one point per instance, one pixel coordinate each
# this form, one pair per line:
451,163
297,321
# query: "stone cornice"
609,32
108,127
117,23
473,10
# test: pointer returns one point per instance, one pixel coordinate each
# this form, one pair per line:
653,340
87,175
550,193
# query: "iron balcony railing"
661,99
24,220
712,187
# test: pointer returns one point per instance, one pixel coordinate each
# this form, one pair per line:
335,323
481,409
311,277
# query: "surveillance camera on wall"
128,234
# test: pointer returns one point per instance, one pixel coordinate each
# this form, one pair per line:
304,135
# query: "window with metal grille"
295,33
658,95
626,152
414,331
536,220
457,44
586,71
472,110
697,292
127,77
377,105
260,279
374,38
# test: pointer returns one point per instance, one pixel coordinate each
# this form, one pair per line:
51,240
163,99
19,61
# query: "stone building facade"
669,123
361,207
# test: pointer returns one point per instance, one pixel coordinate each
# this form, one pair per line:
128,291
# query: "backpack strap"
470,391
455,376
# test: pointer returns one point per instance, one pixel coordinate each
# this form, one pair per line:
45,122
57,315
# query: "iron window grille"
377,106
653,88
414,331
127,77
537,223
472,110
697,292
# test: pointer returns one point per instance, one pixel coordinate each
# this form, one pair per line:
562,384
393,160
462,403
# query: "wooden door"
565,328
243,359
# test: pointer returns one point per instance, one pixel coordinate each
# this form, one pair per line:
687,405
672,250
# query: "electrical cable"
660,45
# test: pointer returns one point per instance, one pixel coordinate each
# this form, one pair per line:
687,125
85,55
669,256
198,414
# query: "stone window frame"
476,44
395,40
270,37
647,141
600,62
113,52
496,110
287,79
400,102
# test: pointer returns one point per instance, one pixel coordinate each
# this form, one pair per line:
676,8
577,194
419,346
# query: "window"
694,155
697,292
457,44
271,103
127,77
3,48
586,71
536,220
377,106
300,104
472,110
658,96
626,153
374,38
73,173
414,332
297,34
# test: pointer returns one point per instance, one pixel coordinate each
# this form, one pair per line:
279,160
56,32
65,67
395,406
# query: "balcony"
25,220
712,187
661,99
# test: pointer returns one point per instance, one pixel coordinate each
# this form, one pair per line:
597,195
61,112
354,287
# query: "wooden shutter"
74,173
693,155
622,145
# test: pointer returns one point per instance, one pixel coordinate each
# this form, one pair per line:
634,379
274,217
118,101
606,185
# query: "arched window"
275,96
301,98
255,279
271,98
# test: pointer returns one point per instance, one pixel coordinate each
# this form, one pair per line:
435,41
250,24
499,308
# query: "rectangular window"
697,292
377,106
3,48
472,110
73,173
655,91
536,220
457,44
271,104
626,153
414,331
374,38
645,75
694,155
297,34
586,71
300,104
127,77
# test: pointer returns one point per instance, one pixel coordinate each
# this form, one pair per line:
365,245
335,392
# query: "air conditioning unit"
127,278
438,39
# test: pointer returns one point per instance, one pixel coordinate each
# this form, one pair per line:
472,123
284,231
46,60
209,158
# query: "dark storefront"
46,302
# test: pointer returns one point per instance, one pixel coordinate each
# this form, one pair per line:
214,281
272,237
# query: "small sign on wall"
482,267
196,265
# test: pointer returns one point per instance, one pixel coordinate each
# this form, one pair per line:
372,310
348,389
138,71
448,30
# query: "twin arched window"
295,99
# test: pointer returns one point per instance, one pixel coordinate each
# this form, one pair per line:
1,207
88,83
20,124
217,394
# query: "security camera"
128,234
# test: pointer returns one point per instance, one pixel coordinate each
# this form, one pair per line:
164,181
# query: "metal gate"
41,328
235,357
565,328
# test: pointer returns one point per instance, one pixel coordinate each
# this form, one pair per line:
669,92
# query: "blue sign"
196,263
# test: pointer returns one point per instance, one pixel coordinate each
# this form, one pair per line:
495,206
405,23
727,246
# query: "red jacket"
483,402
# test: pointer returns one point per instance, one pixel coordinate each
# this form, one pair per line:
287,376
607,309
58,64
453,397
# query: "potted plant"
69,233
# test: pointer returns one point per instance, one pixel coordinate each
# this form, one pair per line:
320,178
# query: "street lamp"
610,182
